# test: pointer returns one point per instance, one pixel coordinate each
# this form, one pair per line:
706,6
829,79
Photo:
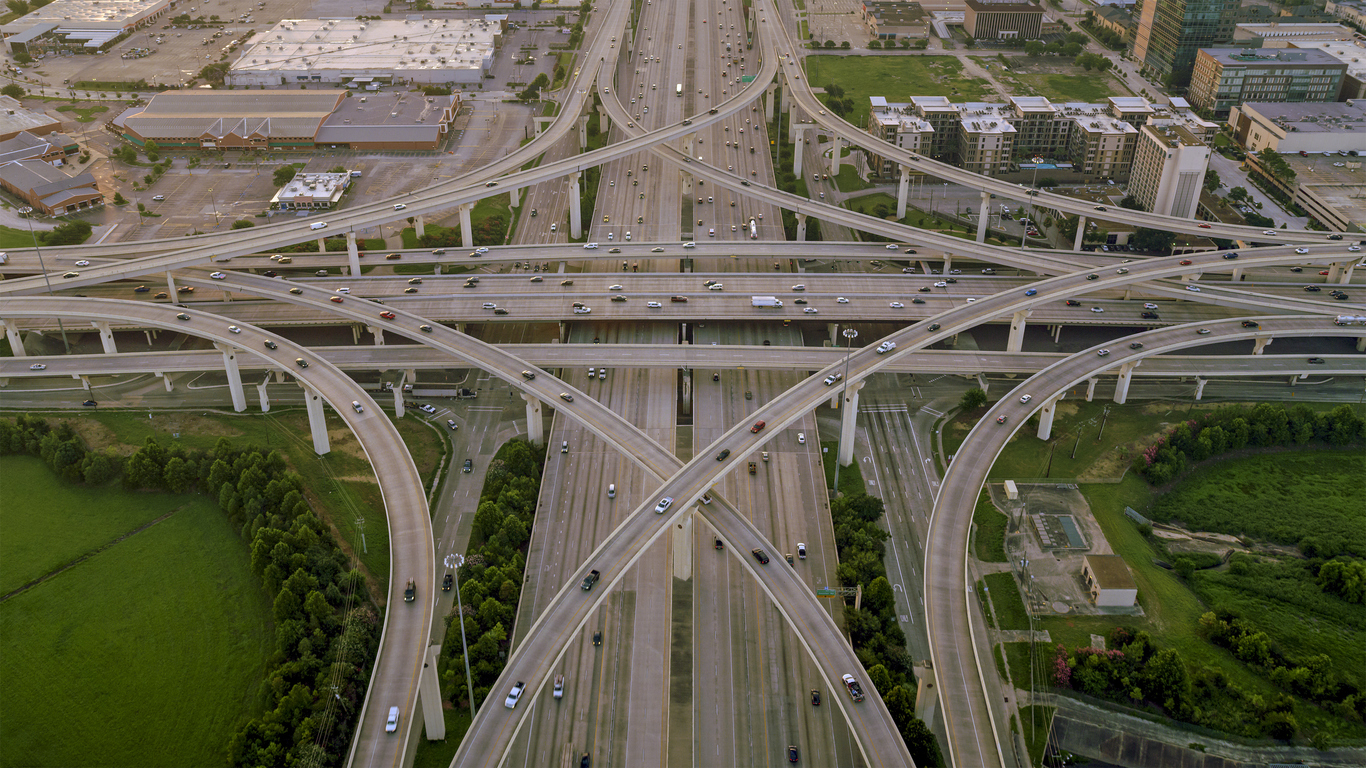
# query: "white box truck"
765,301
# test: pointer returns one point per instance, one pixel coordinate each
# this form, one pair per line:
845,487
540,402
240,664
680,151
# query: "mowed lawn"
150,653
1091,87
897,78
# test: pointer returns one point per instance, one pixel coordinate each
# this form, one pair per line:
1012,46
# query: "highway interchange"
626,427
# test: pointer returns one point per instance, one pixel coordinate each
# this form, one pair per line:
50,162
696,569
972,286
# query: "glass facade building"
1171,31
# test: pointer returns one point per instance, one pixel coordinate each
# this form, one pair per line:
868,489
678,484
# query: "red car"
1202,226
387,315
1185,262
758,425
336,299
1324,272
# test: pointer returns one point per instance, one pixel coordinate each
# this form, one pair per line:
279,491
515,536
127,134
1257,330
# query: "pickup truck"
752,467
410,592
591,579
855,690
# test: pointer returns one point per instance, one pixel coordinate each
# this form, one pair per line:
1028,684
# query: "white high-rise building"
1169,169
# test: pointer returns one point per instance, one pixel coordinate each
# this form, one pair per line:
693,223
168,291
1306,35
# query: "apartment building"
1008,20
986,138
1168,170
1352,53
1226,77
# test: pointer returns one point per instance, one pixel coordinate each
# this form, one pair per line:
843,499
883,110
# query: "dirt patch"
344,440
1064,408
97,436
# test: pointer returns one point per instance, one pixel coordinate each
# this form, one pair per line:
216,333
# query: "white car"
841,300
801,438
37,367
1193,288
426,408
1301,250
234,329
481,251
885,347
892,246
1097,310
1026,398
1149,305
83,263
832,378
489,305
614,287
583,310
941,284
653,304
399,206
811,310
218,275
514,695
897,305
391,724
343,290
663,504
590,246
690,245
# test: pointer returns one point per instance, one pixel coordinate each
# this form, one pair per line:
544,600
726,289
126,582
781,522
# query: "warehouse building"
49,190
14,119
369,54
79,25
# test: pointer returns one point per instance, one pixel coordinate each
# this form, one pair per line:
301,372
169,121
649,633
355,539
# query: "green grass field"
1091,87
149,653
990,540
15,238
1006,600
83,114
896,77
848,180
851,479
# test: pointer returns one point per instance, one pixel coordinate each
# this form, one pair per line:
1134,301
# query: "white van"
318,225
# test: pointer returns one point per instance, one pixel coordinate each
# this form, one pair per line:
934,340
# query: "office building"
1293,128
1168,170
369,54
1171,31
311,191
1002,20
1352,53
79,26
1282,35
895,20
1352,11
1227,77
1117,20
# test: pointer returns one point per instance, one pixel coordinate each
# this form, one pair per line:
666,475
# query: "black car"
1316,361
597,637
799,301
469,466
917,300
760,556
925,289
1149,315
1312,288
586,761
1231,255
934,326
815,698
1073,303
1136,345
446,582
723,455
271,345
1340,296
792,754
1093,277
1250,324
90,404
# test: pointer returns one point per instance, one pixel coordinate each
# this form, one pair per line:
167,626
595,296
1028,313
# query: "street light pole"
849,334
27,211
454,562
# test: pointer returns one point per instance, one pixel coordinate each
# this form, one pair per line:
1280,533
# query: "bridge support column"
835,156
355,333
768,103
378,333
85,381
16,342
106,337
1200,387
166,379
398,394
1260,343
420,225
535,427
604,122
1237,275
466,228
801,227
1361,344
170,286
515,197
322,245
1017,328
682,546
798,145
1126,375
575,214
317,420
352,254
1057,333
1091,388
925,267
564,332
833,329
263,396
1297,377
982,382
1346,276
583,132
1081,232
148,333
1334,270
848,420
239,397
983,217
903,190
1046,418
948,262
429,691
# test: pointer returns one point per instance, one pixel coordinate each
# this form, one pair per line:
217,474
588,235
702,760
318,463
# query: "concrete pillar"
948,262
1046,418
835,156
352,253
378,333
1361,344
1260,343
1091,388
420,226
903,190
1237,275
1017,328
1126,375
798,147
166,379
1296,377
682,546
355,333
106,337
239,398
801,227
575,206
833,331
1081,232
1057,333
848,420
1334,270
85,382
322,245
317,420
768,103
982,382
398,394
265,398
148,333
925,267
604,122
583,132
535,427
16,342
564,332
983,217
170,286
1200,387
1346,276
429,691
515,196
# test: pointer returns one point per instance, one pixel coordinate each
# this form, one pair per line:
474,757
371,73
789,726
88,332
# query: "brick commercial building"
895,20
49,190
1002,20
1227,77
14,119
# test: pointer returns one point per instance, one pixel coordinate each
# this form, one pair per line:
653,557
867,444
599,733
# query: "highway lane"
406,627
975,728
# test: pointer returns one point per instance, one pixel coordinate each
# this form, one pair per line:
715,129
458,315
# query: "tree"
922,745
829,44
1130,202
242,224
972,399
1034,48
119,199
845,45
19,7
283,175
874,44
13,90
1211,180
1154,240
1237,193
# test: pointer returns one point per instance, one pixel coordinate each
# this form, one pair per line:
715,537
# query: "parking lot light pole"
27,212
454,561
849,334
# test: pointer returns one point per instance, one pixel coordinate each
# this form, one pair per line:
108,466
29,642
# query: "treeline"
492,574
489,231
326,630
1233,428
873,628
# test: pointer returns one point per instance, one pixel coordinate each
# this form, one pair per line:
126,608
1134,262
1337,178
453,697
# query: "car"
1149,305
653,304
1149,316
815,697
1093,277
1203,226
302,363
1100,208
1340,296
1073,303
185,289
1250,324
841,300
90,404
451,423
183,316
758,426
1185,262
1001,419
810,310
1312,288
1324,273
910,251
832,378
141,289
892,246
1231,255
1353,248
336,299
425,328
1122,271
271,345
1031,292
1203,331
663,504
1301,250
468,466
391,724
514,695
760,556
158,198
399,206
885,347
70,275
1097,310
1102,353
1317,361
723,455
1193,288
357,407
590,246
489,305
799,287
481,250
941,284
792,754
37,367
1268,232
933,327
801,438
218,275
410,289
583,310
234,329
427,408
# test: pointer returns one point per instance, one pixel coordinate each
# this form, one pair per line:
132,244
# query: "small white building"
1109,580
311,191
